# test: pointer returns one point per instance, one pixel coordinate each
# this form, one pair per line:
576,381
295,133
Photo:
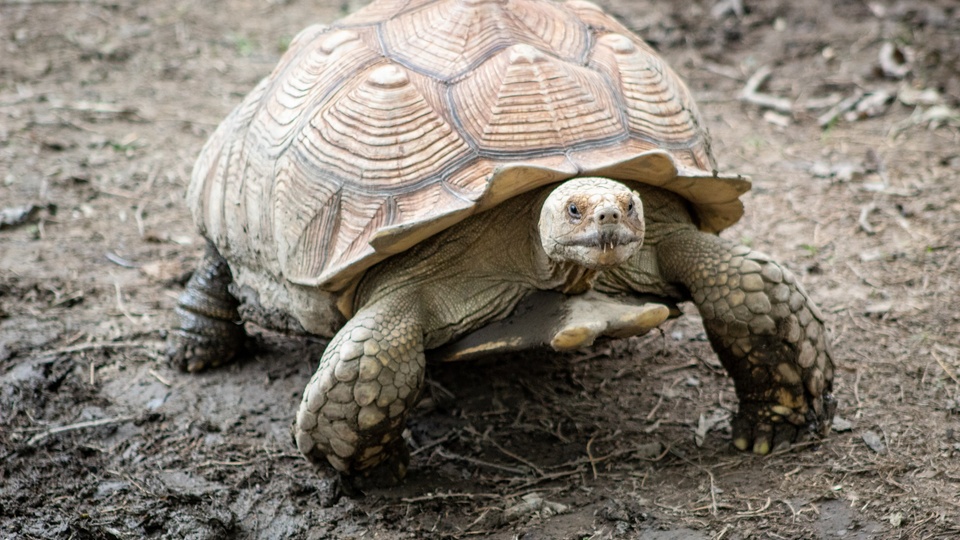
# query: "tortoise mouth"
603,240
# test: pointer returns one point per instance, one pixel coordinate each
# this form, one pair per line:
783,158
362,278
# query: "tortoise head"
596,223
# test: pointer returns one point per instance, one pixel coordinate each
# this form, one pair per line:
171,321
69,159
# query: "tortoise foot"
593,315
388,473
209,332
762,427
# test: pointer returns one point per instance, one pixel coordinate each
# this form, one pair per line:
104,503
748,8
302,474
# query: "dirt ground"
853,143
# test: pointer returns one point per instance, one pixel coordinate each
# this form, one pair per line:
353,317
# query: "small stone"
841,425
874,442
896,519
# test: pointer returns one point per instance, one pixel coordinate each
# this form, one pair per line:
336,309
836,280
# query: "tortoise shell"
409,116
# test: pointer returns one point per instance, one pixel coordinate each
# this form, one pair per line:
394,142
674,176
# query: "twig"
751,93
120,306
943,365
671,369
474,522
94,346
226,463
90,107
526,462
856,390
82,425
120,261
758,511
431,444
845,105
160,378
450,495
593,462
713,490
656,407
447,455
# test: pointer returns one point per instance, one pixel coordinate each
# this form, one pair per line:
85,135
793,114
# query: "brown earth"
103,106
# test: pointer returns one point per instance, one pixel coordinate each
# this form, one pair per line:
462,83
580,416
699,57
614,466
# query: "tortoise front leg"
354,408
767,332
210,332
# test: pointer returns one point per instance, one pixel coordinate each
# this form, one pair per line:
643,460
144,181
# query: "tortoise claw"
763,427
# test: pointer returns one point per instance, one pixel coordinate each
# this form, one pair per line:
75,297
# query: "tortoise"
456,177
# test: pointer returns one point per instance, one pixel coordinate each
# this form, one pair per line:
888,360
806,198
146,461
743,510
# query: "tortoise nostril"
608,215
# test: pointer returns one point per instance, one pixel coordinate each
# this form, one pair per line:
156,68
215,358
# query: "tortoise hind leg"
209,332
768,334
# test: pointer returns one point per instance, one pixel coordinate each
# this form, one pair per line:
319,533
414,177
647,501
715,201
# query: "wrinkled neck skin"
476,271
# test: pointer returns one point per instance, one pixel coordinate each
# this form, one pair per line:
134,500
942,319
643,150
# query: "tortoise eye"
573,211
630,207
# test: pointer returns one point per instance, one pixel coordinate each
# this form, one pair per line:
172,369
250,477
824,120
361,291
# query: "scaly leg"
767,332
354,408
210,332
